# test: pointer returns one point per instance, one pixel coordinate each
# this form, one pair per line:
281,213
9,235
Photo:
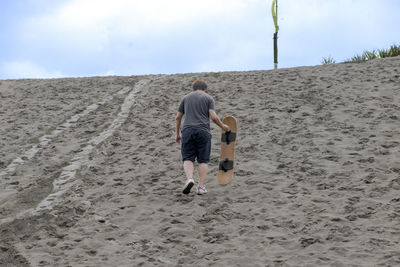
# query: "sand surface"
90,174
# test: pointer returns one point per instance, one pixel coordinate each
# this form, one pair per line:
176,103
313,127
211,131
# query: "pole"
276,38
275,51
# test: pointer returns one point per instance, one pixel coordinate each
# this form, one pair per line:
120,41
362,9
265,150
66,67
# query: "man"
197,107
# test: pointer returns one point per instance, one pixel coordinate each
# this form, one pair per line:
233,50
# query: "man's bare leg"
188,166
202,170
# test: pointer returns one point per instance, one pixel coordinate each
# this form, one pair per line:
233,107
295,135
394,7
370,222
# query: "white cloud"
243,55
160,36
26,69
342,15
312,29
130,34
102,20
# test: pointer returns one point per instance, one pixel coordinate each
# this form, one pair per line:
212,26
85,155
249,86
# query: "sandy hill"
90,174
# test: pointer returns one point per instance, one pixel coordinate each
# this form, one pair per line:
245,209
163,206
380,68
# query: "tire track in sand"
46,139
66,179
10,184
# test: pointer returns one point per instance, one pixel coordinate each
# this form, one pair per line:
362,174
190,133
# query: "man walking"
197,108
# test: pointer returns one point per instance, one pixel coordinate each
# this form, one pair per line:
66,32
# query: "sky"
81,38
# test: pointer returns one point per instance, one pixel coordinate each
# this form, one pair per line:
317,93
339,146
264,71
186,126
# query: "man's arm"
178,121
214,117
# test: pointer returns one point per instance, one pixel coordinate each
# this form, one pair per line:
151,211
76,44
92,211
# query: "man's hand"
226,128
217,121
178,139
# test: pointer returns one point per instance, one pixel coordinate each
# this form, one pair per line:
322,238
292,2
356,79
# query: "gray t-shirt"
195,107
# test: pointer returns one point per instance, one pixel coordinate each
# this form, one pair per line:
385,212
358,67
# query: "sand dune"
90,174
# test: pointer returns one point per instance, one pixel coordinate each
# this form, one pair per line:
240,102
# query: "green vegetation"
366,55
328,60
393,51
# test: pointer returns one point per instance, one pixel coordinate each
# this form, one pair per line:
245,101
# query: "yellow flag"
274,15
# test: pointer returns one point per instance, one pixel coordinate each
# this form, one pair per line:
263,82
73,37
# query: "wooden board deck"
227,152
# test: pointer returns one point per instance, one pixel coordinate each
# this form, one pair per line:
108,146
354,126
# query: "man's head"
199,85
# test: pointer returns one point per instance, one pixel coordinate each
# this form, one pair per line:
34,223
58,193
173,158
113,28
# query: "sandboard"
227,156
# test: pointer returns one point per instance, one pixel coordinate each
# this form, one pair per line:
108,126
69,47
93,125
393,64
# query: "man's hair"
199,85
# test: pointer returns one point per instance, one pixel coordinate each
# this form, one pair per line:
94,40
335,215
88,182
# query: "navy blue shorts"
196,144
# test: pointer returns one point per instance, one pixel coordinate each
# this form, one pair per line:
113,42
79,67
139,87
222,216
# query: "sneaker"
189,184
201,190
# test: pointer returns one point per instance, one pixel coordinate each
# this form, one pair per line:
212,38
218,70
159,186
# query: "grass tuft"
328,60
393,51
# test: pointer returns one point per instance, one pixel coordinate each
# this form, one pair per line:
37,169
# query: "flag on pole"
273,10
